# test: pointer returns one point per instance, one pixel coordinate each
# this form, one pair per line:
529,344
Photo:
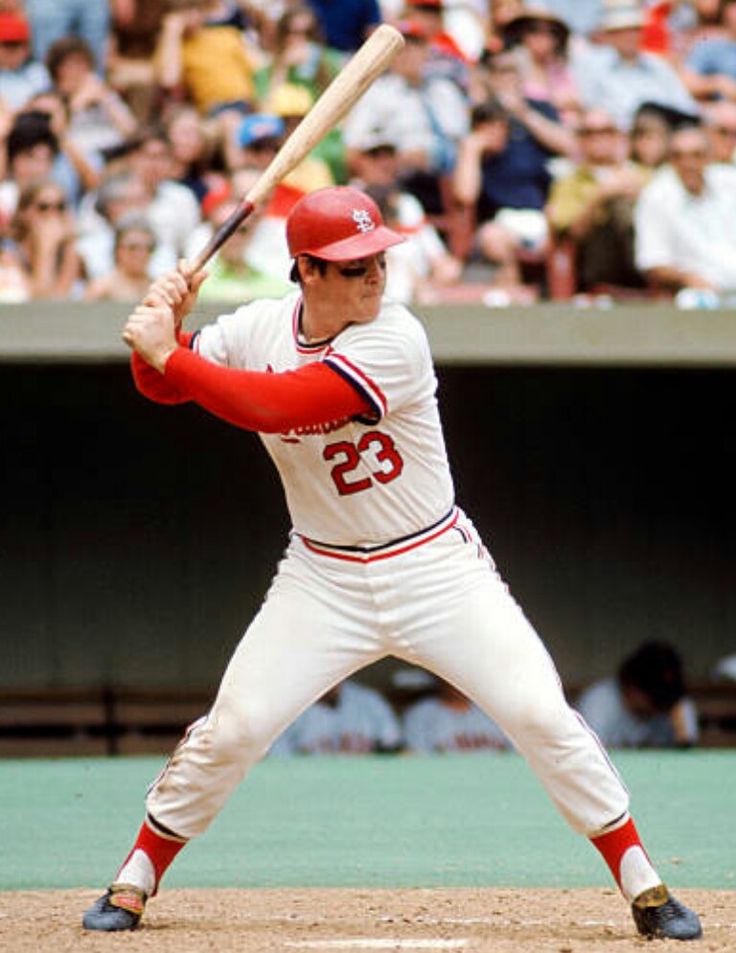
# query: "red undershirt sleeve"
257,400
151,383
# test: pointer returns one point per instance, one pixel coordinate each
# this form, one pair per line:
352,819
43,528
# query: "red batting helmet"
338,223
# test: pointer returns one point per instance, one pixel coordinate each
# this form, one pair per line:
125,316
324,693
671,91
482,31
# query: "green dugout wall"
594,450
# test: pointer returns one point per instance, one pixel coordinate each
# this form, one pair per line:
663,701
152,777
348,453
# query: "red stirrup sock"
149,858
627,860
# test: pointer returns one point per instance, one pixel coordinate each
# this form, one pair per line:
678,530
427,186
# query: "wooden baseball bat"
343,92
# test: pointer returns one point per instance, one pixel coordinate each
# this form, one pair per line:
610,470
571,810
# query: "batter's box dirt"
266,921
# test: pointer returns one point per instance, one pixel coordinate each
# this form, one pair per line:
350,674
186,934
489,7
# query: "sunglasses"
51,206
13,44
358,270
602,131
688,154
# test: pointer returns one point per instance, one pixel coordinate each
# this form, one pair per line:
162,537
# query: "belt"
367,554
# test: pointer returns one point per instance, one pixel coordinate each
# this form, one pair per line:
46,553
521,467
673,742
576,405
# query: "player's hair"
319,263
655,668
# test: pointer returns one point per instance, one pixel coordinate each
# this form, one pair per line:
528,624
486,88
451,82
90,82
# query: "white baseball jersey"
350,482
361,720
430,725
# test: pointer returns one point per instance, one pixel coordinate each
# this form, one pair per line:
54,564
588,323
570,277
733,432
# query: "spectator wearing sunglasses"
43,230
21,76
684,219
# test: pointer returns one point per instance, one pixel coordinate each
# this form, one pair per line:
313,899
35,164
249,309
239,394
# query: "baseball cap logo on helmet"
338,223
363,220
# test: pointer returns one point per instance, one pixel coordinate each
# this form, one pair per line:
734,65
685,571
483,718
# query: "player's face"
361,283
346,292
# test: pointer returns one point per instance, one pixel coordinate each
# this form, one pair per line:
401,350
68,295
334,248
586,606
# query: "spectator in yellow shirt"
206,58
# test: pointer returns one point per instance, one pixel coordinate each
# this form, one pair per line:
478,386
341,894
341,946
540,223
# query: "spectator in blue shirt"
345,24
617,76
710,68
503,171
21,77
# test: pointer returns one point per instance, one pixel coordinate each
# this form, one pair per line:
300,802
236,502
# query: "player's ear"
304,269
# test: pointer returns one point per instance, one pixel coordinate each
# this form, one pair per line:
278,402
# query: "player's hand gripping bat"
343,92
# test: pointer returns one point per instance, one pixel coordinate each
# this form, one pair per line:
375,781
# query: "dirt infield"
259,921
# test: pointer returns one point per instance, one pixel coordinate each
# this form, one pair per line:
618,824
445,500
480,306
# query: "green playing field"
470,820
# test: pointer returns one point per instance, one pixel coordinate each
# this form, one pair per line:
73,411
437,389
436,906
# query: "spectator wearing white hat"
618,77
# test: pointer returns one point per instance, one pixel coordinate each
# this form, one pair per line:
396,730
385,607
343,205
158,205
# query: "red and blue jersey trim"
364,385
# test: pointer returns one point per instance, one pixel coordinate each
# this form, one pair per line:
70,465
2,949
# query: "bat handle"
228,227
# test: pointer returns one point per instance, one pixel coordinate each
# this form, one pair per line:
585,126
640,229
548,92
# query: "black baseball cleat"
658,915
120,908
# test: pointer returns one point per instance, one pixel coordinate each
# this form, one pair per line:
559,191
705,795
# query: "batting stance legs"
327,616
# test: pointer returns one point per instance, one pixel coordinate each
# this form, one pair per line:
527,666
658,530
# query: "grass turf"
455,821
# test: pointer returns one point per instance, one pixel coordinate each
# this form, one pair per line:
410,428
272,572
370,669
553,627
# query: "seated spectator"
347,24
594,205
119,196
446,57
617,76
300,56
231,276
709,71
644,705
448,722
683,221
720,123
21,76
258,139
98,119
649,136
581,16
172,210
425,117
503,172
30,151
349,719
130,279
76,170
205,58
53,19
134,33
193,149
540,40
44,233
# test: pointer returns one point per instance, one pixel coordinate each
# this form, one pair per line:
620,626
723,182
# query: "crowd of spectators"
500,134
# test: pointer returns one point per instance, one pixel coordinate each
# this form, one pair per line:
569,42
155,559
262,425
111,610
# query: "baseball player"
348,719
449,722
339,383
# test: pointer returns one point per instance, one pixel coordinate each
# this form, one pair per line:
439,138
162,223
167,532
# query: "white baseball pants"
441,605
